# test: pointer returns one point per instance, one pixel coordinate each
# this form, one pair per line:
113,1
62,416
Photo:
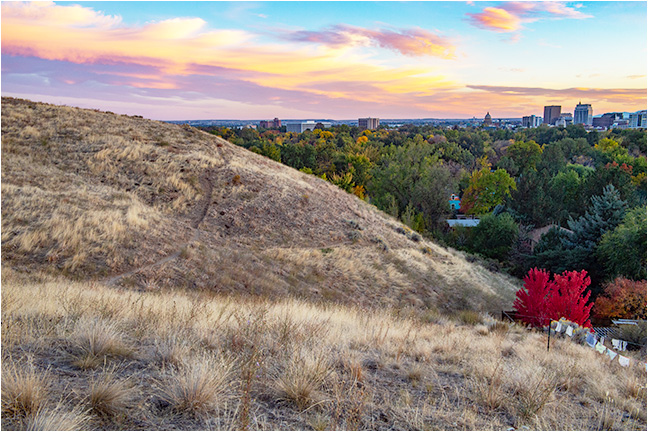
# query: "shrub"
622,298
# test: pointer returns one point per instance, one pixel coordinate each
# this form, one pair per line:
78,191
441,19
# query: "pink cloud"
410,42
510,16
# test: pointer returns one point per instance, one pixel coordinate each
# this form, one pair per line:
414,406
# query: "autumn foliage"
542,299
622,298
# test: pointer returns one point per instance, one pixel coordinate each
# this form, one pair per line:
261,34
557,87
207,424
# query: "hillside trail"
198,215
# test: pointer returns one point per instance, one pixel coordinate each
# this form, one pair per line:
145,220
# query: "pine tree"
604,214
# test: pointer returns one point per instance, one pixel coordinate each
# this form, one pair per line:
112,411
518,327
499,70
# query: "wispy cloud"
511,16
410,42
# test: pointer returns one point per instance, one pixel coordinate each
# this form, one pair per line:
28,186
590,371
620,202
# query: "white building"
531,121
303,126
583,114
368,123
565,120
638,120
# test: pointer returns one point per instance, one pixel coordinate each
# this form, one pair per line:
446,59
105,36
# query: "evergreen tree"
604,214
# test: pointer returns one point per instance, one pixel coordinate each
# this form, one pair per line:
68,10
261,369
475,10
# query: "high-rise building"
583,114
270,124
638,120
551,114
531,121
368,123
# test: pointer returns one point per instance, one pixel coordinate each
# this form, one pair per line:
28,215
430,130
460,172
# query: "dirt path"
198,215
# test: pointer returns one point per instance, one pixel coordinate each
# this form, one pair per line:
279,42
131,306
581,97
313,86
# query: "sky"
326,60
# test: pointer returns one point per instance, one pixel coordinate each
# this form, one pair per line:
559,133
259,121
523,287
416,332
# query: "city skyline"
206,60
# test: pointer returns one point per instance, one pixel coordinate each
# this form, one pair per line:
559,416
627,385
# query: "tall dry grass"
183,360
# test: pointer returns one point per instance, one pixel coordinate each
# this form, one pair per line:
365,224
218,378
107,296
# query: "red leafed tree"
569,297
531,302
541,299
622,298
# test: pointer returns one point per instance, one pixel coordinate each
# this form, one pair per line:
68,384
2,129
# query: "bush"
622,298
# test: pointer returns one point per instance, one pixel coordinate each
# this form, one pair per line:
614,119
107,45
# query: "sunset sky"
337,60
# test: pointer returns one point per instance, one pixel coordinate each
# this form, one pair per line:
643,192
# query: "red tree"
532,300
569,299
541,300
622,298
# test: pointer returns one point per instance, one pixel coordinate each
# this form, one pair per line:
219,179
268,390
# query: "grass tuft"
24,391
57,419
302,378
200,387
110,396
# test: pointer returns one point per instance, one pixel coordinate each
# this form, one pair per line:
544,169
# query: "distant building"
303,126
607,120
455,202
565,120
638,120
270,124
551,114
488,121
368,123
531,121
583,114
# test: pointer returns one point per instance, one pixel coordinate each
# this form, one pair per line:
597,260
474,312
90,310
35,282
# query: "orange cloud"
496,19
175,46
509,17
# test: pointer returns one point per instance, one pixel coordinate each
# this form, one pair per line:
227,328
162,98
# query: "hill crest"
140,203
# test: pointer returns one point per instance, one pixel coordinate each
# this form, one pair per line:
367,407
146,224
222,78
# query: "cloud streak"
511,16
409,42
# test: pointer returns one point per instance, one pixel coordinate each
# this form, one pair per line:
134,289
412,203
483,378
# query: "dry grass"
24,389
289,364
200,387
96,340
110,396
57,419
95,195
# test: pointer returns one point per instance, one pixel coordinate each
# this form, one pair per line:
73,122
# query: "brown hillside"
140,203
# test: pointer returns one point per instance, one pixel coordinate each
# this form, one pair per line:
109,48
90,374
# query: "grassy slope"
95,195
78,355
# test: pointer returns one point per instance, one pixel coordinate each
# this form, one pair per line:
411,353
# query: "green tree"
623,250
525,154
487,189
495,235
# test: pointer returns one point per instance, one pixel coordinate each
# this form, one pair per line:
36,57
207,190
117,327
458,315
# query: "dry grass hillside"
138,203
86,356
155,277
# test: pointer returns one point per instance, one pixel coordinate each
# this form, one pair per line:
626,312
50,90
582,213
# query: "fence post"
548,335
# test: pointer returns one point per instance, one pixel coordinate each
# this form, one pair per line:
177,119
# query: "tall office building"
368,123
583,114
551,114
638,120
